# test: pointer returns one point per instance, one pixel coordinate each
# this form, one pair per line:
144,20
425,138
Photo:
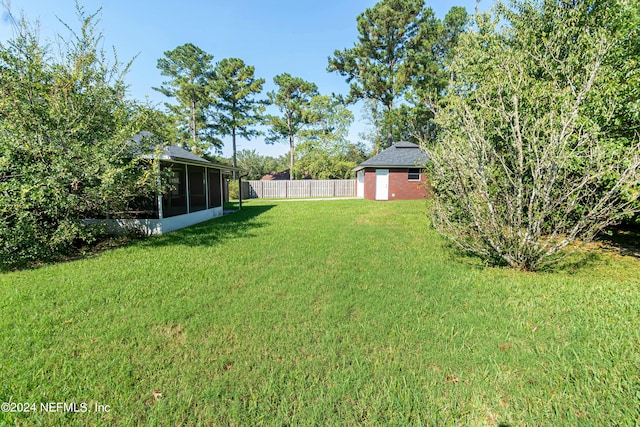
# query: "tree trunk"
390,132
235,161
194,127
291,149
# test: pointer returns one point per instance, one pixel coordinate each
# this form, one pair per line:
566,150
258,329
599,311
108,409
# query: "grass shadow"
572,261
624,239
457,255
214,231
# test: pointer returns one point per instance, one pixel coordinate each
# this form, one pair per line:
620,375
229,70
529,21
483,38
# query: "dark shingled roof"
400,155
173,152
179,154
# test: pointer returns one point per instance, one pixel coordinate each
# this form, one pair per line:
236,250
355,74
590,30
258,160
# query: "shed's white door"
360,184
382,184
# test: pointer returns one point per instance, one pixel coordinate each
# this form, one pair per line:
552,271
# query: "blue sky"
275,36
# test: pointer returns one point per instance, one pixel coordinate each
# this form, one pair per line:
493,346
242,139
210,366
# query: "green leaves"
399,53
234,89
293,99
64,153
257,165
525,164
189,68
378,66
236,111
329,120
212,101
191,72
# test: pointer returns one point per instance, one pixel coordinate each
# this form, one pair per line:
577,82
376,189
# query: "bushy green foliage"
234,192
329,159
324,151
529,160
65,151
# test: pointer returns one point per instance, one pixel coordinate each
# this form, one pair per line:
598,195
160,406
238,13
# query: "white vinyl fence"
298,189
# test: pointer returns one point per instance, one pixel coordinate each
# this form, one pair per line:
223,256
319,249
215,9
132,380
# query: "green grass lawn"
320,313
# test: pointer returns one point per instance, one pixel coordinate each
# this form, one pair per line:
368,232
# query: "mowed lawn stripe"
320,312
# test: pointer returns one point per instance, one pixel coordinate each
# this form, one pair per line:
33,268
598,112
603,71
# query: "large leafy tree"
525,164
329,120
324,151
394,45
414,119
616,105
329,159
293,99
190,72
237,111
65,127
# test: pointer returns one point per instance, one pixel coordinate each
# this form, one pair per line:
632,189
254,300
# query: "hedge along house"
396,173
197,193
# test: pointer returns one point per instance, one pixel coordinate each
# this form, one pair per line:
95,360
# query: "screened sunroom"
197,192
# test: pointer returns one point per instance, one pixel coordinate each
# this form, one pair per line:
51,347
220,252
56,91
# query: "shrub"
523,167
65,151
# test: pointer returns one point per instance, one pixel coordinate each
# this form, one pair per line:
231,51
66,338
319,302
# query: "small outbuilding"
396,173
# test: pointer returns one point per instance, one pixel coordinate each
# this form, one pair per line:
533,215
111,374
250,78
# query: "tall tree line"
223,100
397,66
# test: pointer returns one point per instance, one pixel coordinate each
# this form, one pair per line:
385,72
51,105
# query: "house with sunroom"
198,190
396,173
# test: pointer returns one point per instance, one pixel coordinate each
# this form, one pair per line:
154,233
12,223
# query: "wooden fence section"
298,189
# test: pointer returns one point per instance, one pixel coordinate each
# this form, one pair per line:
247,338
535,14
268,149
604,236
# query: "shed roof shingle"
401,154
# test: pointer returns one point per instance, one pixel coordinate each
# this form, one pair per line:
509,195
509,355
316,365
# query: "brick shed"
396,173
